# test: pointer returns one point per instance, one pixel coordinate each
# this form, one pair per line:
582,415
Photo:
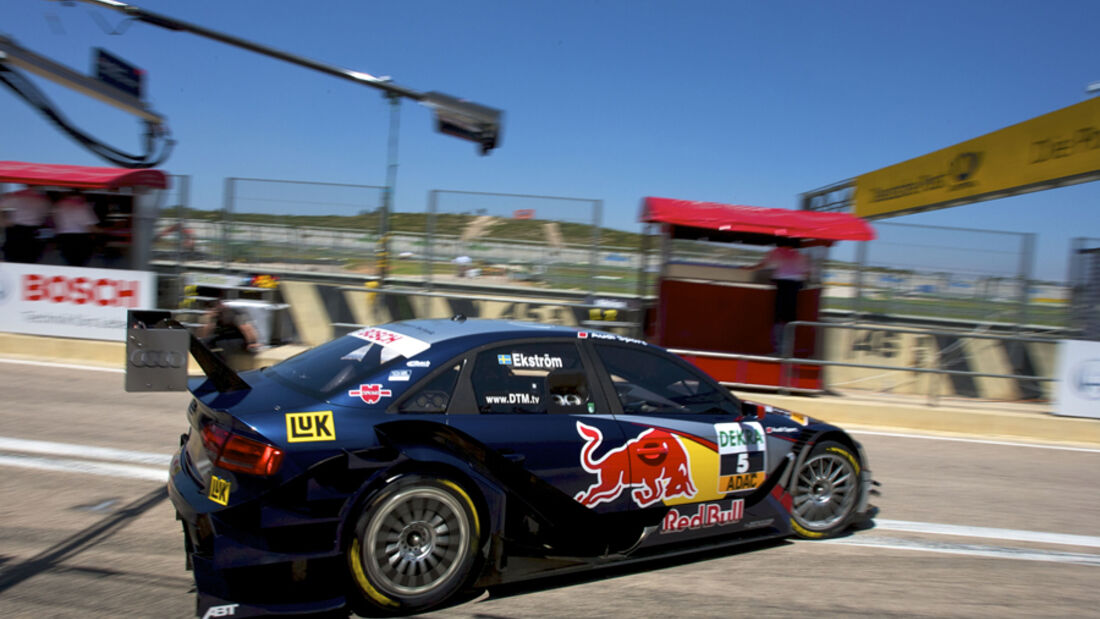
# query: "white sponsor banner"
1078,393
84,303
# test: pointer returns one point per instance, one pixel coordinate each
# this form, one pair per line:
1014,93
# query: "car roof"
435,331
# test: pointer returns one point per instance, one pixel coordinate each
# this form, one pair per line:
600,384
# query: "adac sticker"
370,393
654,463
219,490
743,456
310,427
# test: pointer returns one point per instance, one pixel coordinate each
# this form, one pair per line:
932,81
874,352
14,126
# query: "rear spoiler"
157,346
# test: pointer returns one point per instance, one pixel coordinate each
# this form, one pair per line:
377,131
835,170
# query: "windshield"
334,367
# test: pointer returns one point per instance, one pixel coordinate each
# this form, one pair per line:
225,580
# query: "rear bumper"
236,561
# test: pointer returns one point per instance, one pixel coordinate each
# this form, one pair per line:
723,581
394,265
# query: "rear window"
513,378
334,367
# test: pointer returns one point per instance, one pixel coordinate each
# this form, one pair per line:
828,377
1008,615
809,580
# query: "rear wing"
157,351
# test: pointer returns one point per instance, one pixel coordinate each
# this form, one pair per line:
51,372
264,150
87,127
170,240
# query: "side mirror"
752,409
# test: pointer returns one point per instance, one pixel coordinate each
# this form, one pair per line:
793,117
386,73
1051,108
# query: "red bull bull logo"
654,463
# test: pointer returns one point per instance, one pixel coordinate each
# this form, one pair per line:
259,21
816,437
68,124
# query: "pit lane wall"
91,304
937,350
318,309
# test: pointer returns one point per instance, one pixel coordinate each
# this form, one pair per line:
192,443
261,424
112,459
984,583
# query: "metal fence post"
183,198
429,238
861,265
227,206
1027,263
594,254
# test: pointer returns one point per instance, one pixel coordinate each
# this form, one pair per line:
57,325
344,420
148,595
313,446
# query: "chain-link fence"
276,222
557,243
172,235
534,241
296,222
952,273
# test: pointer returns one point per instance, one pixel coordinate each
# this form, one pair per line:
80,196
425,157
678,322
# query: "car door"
690,443
535,403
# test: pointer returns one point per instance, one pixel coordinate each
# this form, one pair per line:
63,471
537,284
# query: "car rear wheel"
415,544
826,491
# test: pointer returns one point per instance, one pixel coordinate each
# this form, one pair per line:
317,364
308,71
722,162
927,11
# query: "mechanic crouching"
229,331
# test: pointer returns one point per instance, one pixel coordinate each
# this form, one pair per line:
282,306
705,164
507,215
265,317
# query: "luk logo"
219,490
225,610
371,393
310,427
156,359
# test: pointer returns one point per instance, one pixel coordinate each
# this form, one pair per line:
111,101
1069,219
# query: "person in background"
229,330
790,269
26,212
75,222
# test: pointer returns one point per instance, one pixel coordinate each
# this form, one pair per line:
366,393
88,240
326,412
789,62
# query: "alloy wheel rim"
416,542
825,491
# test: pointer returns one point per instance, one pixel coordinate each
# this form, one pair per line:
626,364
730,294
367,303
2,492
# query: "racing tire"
415,545
826,491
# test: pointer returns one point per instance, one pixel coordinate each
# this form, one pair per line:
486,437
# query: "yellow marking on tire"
473,510
844,452
361,578
804,532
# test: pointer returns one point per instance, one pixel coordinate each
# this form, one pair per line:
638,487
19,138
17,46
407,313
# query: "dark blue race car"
394,468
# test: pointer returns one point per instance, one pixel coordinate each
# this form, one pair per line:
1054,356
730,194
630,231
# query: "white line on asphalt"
938,437
82,451
67,366
973,550
104,469
987,533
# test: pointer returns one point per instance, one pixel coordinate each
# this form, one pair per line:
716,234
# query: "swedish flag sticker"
504,359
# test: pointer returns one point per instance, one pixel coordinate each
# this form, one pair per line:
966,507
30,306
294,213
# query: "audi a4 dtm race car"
397,467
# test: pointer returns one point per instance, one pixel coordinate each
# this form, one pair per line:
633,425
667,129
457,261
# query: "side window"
530,378
647,382
434,396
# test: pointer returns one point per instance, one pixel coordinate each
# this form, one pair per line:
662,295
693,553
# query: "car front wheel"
415,544
826,491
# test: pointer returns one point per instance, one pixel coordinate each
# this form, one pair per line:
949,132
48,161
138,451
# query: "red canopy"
778,222
82,177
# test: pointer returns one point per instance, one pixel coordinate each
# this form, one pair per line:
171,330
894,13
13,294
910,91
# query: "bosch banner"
1062,146
85,303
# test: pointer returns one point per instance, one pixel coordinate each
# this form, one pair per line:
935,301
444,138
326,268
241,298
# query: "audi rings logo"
1087,379
157,359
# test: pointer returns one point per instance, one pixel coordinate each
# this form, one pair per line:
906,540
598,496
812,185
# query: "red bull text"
706,515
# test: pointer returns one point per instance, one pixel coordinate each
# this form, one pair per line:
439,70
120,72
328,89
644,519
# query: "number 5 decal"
742,463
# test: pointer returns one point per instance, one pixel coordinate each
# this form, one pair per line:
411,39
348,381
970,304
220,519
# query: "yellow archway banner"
1059,148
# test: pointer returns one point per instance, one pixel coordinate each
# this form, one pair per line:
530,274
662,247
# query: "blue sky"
738,102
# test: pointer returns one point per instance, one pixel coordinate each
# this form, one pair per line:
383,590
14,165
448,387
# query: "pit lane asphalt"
76,541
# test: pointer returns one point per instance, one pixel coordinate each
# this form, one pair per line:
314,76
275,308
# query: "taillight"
236,453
